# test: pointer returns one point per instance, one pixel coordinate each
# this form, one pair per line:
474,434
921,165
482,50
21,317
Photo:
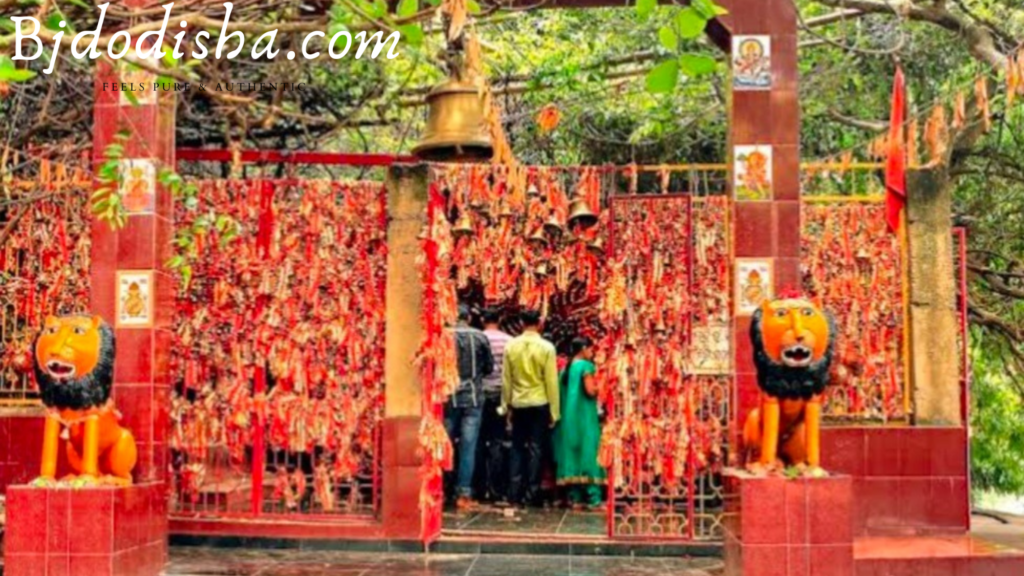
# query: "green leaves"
8,72
708,9
407,8
412,33
663,77
645,7
696,64
668,38
689,23
686,24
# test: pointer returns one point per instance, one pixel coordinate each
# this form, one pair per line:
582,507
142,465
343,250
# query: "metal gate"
278,353
668,368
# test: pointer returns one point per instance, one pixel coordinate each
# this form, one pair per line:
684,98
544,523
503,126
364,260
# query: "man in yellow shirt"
529,395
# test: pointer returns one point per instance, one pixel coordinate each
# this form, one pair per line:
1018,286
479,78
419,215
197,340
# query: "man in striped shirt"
493,431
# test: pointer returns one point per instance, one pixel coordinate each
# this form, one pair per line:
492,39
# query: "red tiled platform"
20,449
89,532
899,473
934,556
780,527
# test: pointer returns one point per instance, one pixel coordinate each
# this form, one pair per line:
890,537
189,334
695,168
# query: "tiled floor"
531,521
211,562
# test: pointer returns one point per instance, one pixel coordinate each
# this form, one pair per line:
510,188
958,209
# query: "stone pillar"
766,231
407,199
933,317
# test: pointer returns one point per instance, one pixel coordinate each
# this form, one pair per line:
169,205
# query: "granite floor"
219,562
531,521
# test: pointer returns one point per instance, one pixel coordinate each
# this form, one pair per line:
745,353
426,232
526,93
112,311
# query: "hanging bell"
554,226
580,214
542,270
660,328
538,238
505,213
456,129
484,211
596,248
463,226
532,191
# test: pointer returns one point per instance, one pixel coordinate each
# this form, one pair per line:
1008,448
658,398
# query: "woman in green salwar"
578,435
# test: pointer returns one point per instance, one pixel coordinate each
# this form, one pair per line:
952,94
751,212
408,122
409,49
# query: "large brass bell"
596,248
580,214
463,226
456,130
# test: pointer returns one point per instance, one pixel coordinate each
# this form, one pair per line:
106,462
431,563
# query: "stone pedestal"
780,527
88,532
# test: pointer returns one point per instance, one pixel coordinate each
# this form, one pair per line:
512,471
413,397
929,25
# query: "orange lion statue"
793,342
74,368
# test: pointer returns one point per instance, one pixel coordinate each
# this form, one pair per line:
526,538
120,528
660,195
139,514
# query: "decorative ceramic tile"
138,185
751,62
752,173
753,284
134,298
711,352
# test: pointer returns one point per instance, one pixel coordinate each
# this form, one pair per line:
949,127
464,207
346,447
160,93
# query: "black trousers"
494,445
530,427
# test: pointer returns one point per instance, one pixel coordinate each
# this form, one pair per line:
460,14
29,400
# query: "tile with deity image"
134,298
751,63
711,350
138,185
137,79
753,284
752,173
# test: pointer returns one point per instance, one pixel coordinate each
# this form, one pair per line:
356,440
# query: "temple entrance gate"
668,375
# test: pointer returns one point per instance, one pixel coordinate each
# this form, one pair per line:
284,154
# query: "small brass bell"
532,191
596,248
463,227
660,328
580,214
538,238
484,211
554,226
542,270
505,212
456,129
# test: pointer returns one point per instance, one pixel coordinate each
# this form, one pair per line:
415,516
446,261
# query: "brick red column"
768,230
136,253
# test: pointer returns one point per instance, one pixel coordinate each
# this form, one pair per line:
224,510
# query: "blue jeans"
463,427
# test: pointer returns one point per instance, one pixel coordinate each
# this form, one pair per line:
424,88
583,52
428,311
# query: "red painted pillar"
131,289
764,125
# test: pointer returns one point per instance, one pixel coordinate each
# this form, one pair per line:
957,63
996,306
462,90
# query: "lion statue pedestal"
94,520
